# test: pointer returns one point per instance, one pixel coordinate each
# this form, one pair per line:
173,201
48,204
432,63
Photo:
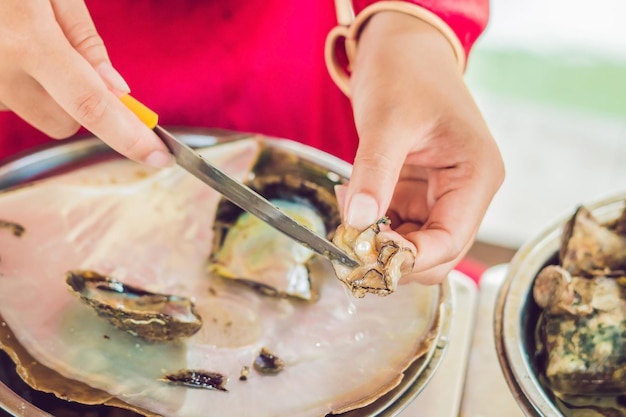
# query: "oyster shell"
154,231
275,264
591,248
383,262
267,363
197,379
556,292
584,342
16,229
155,317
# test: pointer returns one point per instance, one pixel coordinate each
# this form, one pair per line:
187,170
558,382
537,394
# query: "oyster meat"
154,230
382,262
582,327
275,264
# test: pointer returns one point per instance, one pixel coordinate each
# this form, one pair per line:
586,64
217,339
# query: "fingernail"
113,78
159,159
363,211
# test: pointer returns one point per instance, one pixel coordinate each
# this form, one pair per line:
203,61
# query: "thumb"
375,172
75,20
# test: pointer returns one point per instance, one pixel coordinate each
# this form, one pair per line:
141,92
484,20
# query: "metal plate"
60,157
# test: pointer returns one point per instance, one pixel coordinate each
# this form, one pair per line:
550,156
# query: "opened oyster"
383,262
154,230
275,264
156,317
583,299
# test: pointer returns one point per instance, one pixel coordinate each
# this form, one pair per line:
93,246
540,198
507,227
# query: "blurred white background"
597,27
550,78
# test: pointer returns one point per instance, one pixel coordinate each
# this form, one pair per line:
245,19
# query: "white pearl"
363,247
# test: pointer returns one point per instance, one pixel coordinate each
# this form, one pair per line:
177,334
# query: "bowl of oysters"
560,318
129,291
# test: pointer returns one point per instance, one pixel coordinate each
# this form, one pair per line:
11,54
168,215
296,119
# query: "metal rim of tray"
58,156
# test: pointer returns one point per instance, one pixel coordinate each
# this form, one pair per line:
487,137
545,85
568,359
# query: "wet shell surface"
382,262
155,317
154,230
275,264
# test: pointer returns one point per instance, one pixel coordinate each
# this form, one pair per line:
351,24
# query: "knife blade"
236,192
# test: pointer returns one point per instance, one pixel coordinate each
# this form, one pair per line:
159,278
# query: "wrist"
413,40
411,16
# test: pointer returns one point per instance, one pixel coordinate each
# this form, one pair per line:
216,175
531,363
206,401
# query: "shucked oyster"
583,323
274,263
154,230
156,317
383,262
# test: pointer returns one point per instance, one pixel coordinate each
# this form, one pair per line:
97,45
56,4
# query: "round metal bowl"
19,400
516,313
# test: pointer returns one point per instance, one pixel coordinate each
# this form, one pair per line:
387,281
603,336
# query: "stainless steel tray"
63,156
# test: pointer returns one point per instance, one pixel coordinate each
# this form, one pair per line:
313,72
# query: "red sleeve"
467,18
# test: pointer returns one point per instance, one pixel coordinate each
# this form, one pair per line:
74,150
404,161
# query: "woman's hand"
426,158
56,75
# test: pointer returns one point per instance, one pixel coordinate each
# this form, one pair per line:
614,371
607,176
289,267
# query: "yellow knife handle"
147,116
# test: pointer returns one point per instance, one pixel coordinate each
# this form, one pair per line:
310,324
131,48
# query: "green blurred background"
570,80
550,79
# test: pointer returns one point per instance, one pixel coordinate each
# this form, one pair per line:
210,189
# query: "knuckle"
16,46
13,46
85,39
62,129
132,147
450,248
90,108
378,165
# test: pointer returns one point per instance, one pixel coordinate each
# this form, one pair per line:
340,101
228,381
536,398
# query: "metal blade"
249,200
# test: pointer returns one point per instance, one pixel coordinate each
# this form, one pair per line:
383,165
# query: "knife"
238,193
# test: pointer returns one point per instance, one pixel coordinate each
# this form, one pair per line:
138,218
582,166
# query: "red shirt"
246,65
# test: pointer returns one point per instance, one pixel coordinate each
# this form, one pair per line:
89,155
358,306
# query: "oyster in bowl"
560,319
160,232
